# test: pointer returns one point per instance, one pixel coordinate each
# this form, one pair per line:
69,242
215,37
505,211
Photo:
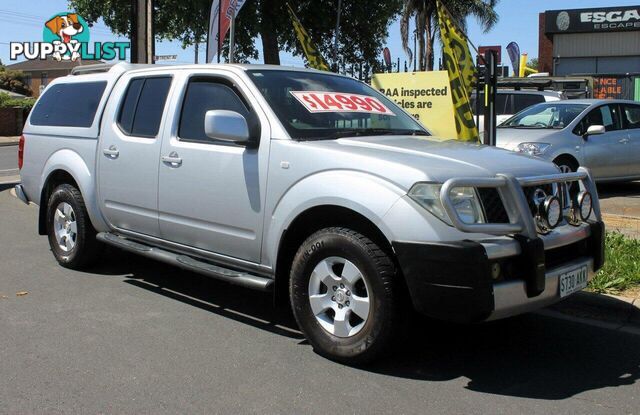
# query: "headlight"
465,201
533,149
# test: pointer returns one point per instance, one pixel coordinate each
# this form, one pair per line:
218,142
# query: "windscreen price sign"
322,101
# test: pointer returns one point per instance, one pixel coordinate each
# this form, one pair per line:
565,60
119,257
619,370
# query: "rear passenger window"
143,105
522,101
69,105
202,96
501,104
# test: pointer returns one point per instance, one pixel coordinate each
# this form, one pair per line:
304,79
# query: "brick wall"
545,48
11,121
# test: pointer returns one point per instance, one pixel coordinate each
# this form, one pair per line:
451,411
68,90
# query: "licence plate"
572,281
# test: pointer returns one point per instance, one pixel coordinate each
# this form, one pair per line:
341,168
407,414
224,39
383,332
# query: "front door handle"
111,152
172,159
623,140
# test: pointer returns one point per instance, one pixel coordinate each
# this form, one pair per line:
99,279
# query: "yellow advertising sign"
425,95
456,58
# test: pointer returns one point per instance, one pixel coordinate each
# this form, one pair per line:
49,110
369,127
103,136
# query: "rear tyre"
71,236
344,296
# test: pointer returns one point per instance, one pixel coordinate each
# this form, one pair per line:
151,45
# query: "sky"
23,20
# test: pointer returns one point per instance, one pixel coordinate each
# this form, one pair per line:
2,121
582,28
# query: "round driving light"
551,212
585,205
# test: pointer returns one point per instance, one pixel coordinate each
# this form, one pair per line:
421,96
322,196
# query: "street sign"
165,58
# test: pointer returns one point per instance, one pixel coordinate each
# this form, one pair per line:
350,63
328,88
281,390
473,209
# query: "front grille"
493,206
512,267
559,256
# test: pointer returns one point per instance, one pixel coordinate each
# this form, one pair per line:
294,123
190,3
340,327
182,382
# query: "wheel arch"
312,220
567,156
67,166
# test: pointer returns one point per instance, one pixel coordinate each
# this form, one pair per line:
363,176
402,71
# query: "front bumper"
453,280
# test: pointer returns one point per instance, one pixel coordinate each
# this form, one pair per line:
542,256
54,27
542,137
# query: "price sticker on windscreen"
320,101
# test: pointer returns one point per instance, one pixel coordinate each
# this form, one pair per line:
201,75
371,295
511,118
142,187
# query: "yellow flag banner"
458,62
313,56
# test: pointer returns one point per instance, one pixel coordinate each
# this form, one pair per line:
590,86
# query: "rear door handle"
111,152
623,140
172,159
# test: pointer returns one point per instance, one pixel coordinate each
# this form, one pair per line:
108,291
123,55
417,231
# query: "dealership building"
601,42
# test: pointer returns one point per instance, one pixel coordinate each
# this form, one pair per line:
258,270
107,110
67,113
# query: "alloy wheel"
65,226
339,296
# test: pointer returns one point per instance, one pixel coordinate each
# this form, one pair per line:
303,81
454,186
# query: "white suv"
511,101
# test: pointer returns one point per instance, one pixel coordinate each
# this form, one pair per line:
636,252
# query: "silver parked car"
309,185
602,135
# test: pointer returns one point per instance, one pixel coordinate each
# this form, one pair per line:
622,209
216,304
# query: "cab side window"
203,95
141,111
606,115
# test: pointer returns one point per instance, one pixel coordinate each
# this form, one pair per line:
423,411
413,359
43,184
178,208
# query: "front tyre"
71,236
343,295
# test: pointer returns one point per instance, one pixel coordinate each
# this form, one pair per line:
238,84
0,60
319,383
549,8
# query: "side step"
186,262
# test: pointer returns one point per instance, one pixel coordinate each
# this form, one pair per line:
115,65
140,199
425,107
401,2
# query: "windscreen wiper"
358,132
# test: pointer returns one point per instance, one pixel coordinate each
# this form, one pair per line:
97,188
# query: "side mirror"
226,125
595,130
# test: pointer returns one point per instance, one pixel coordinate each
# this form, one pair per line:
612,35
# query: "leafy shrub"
7,102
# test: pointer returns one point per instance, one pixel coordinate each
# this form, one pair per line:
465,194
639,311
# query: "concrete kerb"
9,141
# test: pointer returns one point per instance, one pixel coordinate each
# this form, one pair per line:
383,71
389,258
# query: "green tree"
363,29
428,28
13,81
533,63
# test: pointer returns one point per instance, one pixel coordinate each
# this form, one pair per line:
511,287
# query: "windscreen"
548,115
317,106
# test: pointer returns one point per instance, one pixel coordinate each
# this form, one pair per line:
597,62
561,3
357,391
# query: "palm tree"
428,28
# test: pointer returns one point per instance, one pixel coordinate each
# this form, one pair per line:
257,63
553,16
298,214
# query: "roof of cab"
122,67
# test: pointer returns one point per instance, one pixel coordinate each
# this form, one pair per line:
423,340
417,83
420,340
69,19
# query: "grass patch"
621,270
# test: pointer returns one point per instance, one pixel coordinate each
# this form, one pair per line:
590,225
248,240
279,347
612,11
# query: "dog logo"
67,28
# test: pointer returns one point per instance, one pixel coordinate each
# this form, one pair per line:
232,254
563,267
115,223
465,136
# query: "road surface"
8,161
